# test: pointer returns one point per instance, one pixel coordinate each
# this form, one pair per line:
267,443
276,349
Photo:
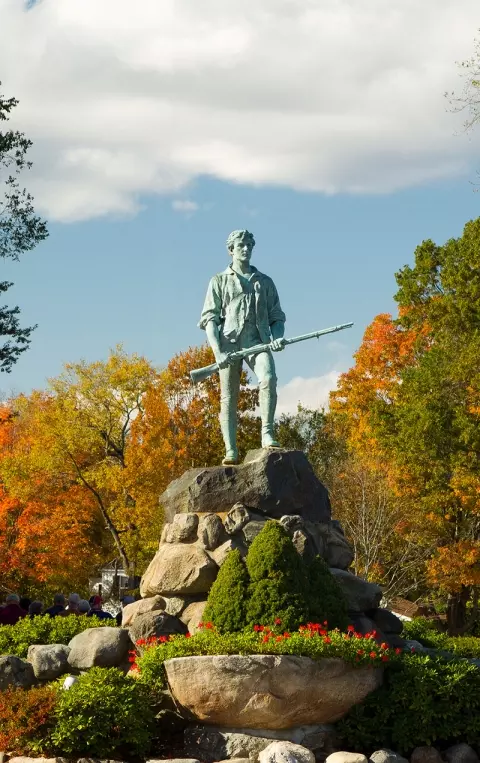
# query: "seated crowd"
15,608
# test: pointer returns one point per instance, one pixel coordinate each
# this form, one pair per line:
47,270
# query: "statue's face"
242,250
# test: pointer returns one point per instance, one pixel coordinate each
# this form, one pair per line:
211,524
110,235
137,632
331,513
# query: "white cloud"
127,98
184,205
310,392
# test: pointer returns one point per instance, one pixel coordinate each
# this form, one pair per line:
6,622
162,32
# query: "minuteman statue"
242,309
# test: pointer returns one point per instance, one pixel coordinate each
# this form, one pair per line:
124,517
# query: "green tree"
20,230
432,427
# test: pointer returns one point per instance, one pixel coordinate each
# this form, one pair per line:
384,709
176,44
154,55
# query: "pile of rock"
211,511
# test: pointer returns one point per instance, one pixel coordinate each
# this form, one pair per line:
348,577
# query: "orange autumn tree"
179,428
45,530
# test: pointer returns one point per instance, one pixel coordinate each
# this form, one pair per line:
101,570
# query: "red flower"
325,622
323,632
358,635
286,635
279,638
398,650
256,628
385,658
373,655
201,625
412,649
360,651
350,629
265,639
278,621
209,626
188,635
327,640
384,645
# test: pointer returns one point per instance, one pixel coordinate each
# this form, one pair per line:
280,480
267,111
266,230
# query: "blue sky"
153,142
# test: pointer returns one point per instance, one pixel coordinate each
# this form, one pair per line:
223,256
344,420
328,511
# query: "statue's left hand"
277,344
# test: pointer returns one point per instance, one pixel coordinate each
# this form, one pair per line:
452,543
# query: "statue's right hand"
224,359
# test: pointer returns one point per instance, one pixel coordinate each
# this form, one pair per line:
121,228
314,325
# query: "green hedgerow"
327,601
426,632
105,713
15,639
227,598
27,719
423,701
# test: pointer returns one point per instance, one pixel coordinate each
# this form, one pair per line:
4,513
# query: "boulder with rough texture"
268,691
273,482
286,752
236,519
102,647
387,756
182,529
49,661
193,615
346,757
137,608
361,595
23,759
155,624
330,543
178,569
460,753
220,554
15,672
425,755
252,529
211,743
386,621
211,532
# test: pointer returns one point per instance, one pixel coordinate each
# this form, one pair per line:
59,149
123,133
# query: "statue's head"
240,238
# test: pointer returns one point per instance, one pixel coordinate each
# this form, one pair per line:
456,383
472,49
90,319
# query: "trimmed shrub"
423,701
105,713
26,719
227,598
425,631
273,599
15,639
327,602
279,585
273,551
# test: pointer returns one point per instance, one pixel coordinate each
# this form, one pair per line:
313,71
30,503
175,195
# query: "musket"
200,374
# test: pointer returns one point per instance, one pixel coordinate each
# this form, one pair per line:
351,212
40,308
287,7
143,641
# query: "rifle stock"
200,374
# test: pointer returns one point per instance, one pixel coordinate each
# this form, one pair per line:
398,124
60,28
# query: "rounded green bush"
226,605
103,714
273,599
273,551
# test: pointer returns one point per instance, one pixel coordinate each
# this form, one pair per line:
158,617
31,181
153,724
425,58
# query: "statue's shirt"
232,301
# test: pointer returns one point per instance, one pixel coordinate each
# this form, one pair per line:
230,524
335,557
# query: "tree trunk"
457,611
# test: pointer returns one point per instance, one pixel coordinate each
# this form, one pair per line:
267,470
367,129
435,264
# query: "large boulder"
211,743
155,624
49,661
273,482
386,621
103,647
361,595
178,569
286,752
15,672
211,532
131,611
192,615
268,691
182,529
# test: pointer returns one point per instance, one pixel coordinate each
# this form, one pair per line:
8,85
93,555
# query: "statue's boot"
228,425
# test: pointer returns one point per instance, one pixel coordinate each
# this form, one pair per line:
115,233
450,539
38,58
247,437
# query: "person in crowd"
12,612
83,607
72,605
35,609
58,605
126,600
97,611
25,604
